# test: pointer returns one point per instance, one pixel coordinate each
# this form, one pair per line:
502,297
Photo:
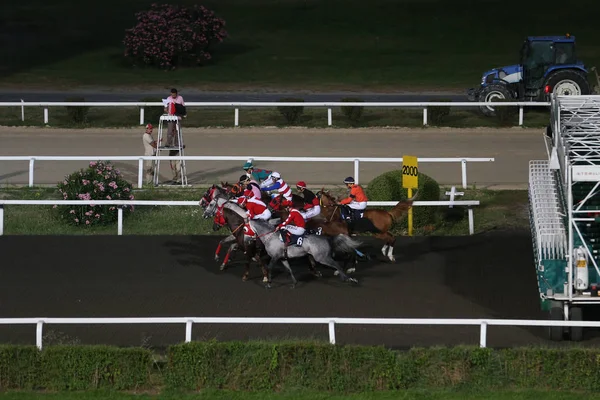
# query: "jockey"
356,200
276,183
251,184
294,224
257,174
255,208
312,207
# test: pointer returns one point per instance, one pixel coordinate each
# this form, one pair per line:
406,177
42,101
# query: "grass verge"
293,44
301,395
111,117
506,209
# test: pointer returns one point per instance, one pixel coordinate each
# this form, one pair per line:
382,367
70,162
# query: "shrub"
291,113
506,115
74,367
437,114
167,36
388,187
100,181
77,114
353,113
152,114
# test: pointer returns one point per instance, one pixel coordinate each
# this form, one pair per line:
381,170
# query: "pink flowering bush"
167,36
100,181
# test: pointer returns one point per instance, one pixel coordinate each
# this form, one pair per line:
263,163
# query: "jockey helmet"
248,165
349,180
244,178
275,175
286,203
149,126
248,193
301,184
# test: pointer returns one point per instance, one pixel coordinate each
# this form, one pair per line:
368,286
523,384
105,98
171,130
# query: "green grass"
293,44
103,117
498,209
227,395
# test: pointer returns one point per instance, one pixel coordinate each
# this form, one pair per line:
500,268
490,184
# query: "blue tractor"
548,65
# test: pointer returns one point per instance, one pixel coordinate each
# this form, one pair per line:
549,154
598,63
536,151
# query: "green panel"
553,277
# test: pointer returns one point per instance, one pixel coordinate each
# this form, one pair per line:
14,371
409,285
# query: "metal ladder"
177,145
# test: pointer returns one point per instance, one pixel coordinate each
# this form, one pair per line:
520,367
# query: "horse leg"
330,262
388,247
269,271
354,260
286,264
226,260
313,267
228,239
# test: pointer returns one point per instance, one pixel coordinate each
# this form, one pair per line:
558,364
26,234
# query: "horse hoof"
216,258
318,274
268,286
350,270
352,280
392,258
245,278
336,273
293,286
265,280
222,267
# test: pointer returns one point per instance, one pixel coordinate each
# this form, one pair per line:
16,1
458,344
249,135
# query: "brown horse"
377,221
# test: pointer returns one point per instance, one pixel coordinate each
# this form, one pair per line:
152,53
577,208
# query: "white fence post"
236,117
425,116
471,221
332,332
356,169
39,334
46,115
140,173
142,115
1,220
188,331
483,334
463,165
521,116
120,220
23,110
329,117
31,167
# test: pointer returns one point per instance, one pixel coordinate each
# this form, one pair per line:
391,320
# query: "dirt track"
486,275
512,149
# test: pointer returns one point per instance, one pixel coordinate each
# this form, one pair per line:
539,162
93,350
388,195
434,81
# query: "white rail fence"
329,322
355,160
121,203
238,105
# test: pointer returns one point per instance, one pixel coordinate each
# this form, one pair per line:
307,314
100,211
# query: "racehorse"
316,247
377,221
232,215
210,194
320,226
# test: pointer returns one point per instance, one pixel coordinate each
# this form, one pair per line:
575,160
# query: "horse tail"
402,207
344,243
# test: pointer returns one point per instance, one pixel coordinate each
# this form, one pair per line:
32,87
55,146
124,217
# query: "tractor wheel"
576,331
491,93
568,83
556,314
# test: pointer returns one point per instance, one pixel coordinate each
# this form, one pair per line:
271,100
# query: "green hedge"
74,367
322,367
316,366
388,187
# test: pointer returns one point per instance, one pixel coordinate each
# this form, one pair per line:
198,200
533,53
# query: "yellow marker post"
410,181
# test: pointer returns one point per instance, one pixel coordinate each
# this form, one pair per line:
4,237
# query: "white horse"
315,246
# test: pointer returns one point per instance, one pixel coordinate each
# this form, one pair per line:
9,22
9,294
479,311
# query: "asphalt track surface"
512,149
489,275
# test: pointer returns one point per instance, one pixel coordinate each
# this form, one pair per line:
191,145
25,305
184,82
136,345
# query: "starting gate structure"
564,208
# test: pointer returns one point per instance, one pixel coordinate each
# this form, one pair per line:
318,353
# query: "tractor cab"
542,55
548,64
